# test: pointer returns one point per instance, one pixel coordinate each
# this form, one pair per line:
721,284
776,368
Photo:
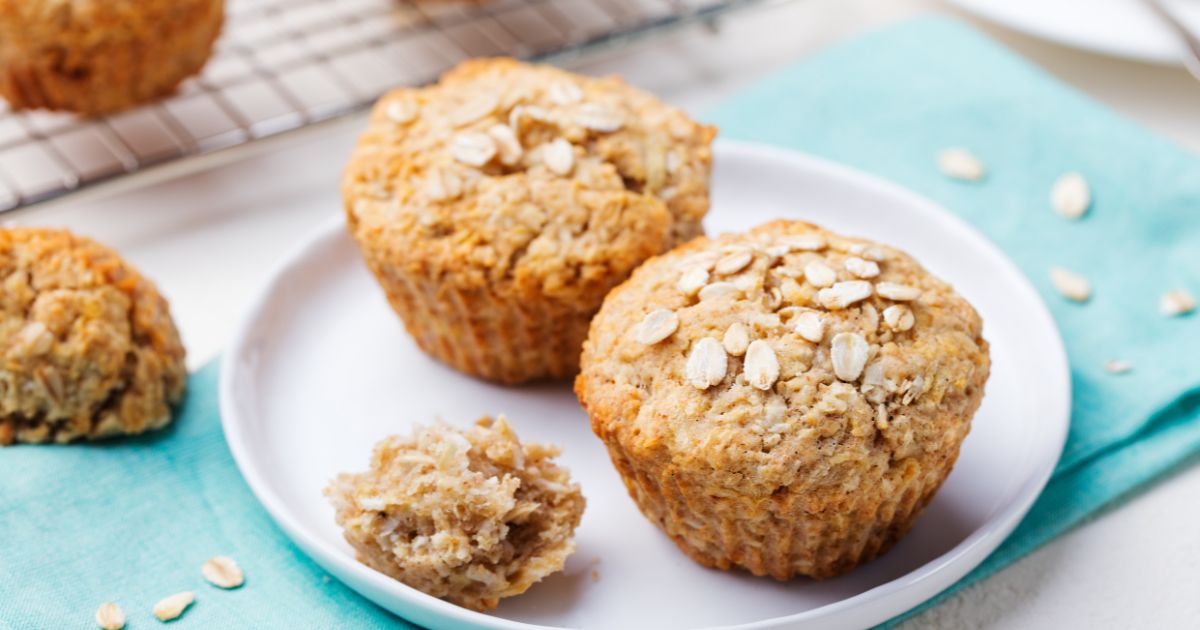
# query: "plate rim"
927,580
990,12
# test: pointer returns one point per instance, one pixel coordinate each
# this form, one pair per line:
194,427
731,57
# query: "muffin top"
87,345
526,178
785,357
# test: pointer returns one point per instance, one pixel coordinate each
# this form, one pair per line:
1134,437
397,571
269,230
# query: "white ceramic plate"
321,369
1120,28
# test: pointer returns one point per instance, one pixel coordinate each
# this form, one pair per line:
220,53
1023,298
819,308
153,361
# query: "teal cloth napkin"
132,520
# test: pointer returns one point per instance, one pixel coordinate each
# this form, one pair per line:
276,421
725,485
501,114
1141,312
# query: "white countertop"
211,238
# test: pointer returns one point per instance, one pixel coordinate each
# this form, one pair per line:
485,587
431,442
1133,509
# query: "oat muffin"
498,207
99,56
785,400
470,516
87,345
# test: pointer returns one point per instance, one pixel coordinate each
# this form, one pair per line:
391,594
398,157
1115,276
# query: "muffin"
470,516
785,400
87,346
498,207
99,56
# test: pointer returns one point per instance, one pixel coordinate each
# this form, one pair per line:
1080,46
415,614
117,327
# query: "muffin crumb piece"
470,516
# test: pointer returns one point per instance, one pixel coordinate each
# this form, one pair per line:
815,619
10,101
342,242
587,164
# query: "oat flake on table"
960,164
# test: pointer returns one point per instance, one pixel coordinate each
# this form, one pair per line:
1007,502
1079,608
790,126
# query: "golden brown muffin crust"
812,409
87,345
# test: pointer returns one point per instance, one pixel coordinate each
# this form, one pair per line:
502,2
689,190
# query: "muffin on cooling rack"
498,207
99,56
87,346
785,400
470,516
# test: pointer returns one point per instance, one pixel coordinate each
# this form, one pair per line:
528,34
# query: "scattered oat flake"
1118,366
172,607
473,148
870,252
1070,284
564,93
1071,196
692,281
811,326
109,616
532,112
656,326
733,263
861,268
559,157
401,111
776,252
844,294
848,352
897,292
1176,302
706,364
819,274
898,317
960,164
508,146
599,118
223,571
595,575
806,242
718,290
762,366
474,109
442,184
736,339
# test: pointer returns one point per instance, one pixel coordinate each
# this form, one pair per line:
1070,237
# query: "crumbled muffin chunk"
470,515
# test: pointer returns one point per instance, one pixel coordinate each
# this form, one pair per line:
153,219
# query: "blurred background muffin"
88,348
785,400
99,56
498,207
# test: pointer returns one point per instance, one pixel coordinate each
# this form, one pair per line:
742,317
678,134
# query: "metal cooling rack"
284,64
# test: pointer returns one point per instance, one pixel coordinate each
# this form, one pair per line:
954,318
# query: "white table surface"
210,238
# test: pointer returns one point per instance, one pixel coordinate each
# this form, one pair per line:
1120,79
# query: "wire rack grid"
284,64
